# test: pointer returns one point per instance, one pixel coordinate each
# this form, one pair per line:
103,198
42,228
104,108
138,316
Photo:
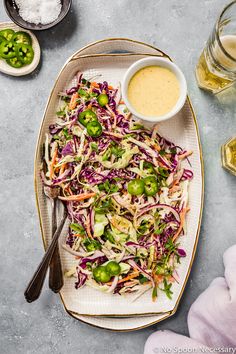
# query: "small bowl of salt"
37,15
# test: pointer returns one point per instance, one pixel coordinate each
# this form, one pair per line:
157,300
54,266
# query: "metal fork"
34,287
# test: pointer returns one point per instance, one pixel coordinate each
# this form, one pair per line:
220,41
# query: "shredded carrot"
63,167
162,165
133,275
94,84
77,198
56,169
175,183
182,219
130,276
158,278
67,189
87,227
186,154
73,100
51,172
77,235
110,87
157,147
174,189
122,102
70,191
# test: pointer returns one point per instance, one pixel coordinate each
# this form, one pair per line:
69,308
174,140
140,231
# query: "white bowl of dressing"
154,89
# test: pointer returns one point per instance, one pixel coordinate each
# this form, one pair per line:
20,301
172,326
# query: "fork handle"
34,287
55,274
55,271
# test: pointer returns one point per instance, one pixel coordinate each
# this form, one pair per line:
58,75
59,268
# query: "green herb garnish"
142,279
167,289
163,172
117,151
94,146
66,133
61,112
77,228
108,187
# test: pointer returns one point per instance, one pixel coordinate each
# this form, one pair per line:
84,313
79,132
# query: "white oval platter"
87,304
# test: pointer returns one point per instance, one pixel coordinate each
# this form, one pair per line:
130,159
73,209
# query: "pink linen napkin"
211,319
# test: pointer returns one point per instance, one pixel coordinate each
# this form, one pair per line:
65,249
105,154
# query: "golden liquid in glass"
228,155
217,81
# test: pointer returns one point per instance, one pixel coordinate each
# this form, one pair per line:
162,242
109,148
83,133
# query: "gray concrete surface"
178,27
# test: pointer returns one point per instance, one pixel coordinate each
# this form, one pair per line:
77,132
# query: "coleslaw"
125,188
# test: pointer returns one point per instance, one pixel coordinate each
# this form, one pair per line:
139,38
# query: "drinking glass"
216,68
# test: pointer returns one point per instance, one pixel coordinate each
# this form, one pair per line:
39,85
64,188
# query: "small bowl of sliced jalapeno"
19,50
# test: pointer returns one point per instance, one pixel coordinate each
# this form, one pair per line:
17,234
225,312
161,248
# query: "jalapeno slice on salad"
100,274
102,99
22,37
136,187
87,116
151,186
25,53
7,33
91,245
7,49
113,268
94,129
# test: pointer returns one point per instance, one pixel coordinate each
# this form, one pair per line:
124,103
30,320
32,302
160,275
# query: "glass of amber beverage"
228,155
216,68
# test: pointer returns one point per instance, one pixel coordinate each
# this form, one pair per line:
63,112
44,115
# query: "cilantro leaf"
142,279
94,146
78,228
167,289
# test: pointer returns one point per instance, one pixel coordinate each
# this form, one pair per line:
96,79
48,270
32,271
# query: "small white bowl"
157,62
27,69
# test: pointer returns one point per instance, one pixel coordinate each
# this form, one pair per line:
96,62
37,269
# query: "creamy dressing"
153,91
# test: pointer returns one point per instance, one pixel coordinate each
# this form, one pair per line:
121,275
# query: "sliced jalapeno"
2,39
102,99
91,245
94,129
136,187
108,235
22,37
14,62
151,186
83,93
7,49
100,274
86,117
7,33
113,268
25,53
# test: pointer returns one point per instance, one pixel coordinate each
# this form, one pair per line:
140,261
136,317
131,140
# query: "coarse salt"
39,11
